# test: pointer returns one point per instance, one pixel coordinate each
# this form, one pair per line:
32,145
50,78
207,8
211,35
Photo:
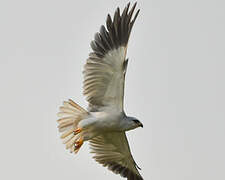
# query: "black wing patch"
125,66
117,33
123,171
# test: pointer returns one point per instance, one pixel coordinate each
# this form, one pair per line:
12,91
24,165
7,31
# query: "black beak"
141,125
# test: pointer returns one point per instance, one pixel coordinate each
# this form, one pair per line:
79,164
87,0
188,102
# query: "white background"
175,86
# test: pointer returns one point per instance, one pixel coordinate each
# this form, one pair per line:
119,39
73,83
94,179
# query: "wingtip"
117,30
135,4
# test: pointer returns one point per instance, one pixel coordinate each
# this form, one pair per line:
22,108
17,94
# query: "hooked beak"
141,125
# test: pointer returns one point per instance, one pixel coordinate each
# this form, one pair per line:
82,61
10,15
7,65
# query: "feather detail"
112,150
67,133
104,72
71,114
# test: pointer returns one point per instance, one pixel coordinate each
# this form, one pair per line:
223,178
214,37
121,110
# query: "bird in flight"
104,123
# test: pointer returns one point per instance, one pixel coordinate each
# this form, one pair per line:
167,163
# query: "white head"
132,123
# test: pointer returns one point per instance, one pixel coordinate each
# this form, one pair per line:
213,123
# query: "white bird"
104,123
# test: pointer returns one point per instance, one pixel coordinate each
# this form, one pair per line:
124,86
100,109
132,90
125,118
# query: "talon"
78,144
77,131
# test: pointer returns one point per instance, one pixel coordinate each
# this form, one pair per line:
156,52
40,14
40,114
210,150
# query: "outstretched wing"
112,150
105,69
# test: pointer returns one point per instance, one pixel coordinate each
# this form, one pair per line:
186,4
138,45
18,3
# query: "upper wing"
112,150
105,69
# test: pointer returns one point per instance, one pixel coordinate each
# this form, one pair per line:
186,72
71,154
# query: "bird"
104,123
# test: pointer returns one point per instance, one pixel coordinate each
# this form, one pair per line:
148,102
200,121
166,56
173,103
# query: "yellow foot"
78,144
77,131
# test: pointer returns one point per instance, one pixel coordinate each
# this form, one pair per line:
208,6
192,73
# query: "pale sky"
175,86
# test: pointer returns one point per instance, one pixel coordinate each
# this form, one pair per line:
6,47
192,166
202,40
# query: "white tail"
70,115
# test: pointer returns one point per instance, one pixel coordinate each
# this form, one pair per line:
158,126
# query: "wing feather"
112,150
104,71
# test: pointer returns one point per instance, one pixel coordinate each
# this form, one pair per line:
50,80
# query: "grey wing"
112,150
104,71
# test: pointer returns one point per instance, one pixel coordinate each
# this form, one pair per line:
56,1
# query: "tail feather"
66,134
67,110
64,119
75,105
70,115
66,124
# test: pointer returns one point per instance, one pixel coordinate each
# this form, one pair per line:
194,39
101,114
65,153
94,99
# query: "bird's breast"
108,121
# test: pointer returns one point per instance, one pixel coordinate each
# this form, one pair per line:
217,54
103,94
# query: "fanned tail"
70,115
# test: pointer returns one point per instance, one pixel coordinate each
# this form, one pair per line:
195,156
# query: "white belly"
100,122
107,121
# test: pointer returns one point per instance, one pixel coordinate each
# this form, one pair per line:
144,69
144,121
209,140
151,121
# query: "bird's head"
137,123
133,123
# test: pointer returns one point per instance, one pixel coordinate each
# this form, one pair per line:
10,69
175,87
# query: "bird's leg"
78,144
77,131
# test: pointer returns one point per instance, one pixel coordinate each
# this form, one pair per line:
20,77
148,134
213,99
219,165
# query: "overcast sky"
175,85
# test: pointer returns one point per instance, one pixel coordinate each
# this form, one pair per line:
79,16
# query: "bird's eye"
136,121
